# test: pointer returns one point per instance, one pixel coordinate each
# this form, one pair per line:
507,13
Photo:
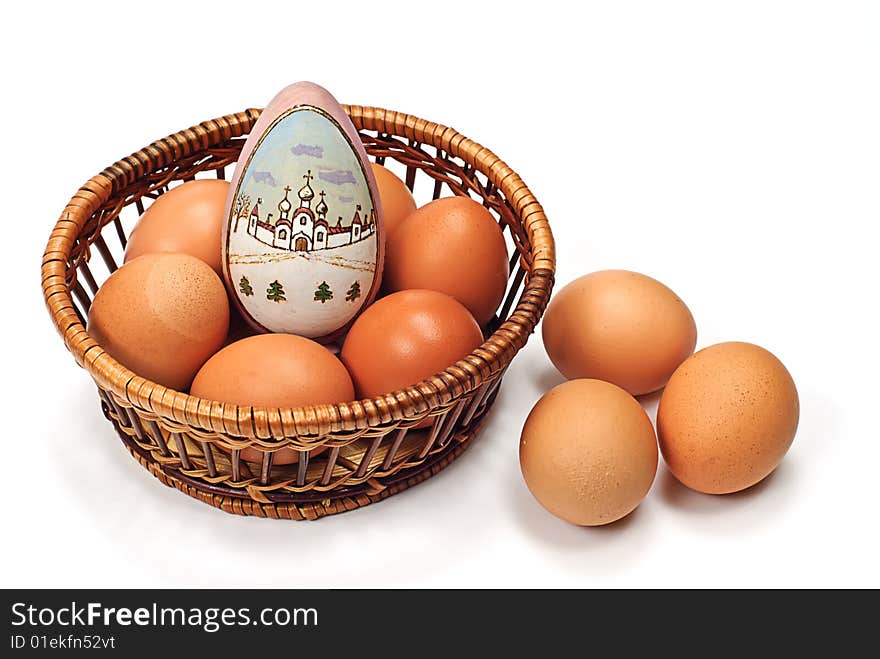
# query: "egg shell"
274,370
452,245
619,326
727,417
303,240
397,201
161,316
187,219
406,337
588,452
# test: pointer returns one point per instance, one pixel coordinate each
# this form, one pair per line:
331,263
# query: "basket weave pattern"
373,450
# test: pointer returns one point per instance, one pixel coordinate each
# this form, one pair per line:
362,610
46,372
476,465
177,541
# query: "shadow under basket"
372,447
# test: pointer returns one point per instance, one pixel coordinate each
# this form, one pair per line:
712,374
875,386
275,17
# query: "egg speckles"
588,452
162,316
727,417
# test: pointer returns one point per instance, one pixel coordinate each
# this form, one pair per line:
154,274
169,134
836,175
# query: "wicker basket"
374,451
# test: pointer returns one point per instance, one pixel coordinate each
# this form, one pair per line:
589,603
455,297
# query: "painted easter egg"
303,243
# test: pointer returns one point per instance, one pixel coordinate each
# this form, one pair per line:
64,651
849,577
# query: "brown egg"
162,316
619,326
404,338
588,452
186,219
397,200
274,370
727,418
451,245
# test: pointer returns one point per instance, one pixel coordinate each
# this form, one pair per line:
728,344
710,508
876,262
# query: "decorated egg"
303,244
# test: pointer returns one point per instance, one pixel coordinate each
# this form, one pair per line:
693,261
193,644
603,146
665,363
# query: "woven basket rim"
274,425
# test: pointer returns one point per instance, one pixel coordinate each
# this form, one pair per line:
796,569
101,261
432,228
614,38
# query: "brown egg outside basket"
193,444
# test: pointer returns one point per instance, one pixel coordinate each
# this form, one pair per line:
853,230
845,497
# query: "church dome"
284,205
305,192
321,208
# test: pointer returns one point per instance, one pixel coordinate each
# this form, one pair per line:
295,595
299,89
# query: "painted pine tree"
354,292
244,285
275,292
323,293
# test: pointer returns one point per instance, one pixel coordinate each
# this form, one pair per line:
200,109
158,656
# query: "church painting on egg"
304,228
303,216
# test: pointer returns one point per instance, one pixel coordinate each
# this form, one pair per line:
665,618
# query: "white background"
731,150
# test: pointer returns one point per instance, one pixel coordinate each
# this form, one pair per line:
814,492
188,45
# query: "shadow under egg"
675,492
548,378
